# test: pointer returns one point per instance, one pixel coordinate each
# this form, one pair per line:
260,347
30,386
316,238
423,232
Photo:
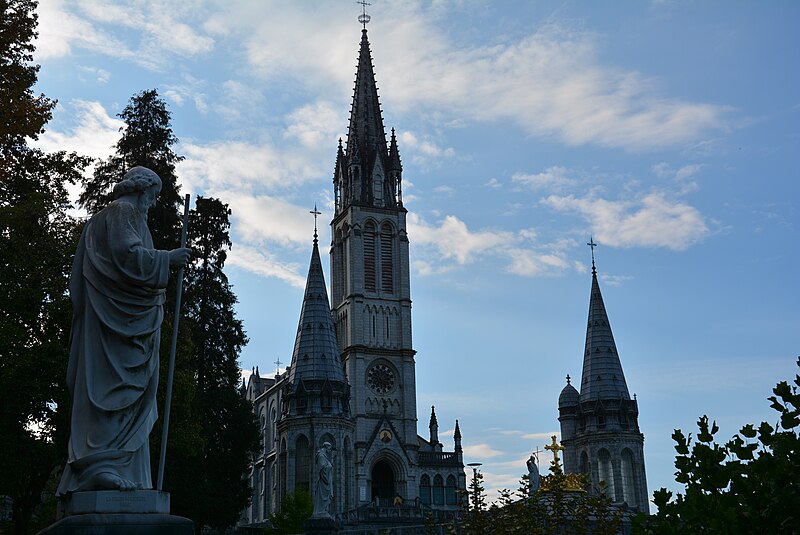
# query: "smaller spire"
434,427
457,437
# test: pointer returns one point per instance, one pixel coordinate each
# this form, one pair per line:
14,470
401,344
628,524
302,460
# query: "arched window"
438,490
605,472
369,257
425,489
302,463
450,490
628,479
387,259
584,466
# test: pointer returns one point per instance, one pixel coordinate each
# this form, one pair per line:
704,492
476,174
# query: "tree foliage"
37,238
229,432
147,140
295,510
749,484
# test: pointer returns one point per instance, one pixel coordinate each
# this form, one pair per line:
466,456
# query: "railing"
428,458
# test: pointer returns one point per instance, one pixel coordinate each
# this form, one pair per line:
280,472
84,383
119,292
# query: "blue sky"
667,130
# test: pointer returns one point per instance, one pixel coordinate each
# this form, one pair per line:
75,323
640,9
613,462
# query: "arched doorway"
383,482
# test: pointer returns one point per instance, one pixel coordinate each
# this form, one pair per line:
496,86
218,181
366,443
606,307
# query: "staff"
168,401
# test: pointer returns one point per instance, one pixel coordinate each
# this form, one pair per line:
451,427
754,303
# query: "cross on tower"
364,18
278,365
555,447
592,244
316,213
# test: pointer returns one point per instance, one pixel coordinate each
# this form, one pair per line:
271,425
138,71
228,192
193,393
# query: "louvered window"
369,257
387,259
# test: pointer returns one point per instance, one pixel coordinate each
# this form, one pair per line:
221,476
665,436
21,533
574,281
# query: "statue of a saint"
117,288
323,494
533,474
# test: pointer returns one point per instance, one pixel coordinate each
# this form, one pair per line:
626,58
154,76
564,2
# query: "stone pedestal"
320,526
113,512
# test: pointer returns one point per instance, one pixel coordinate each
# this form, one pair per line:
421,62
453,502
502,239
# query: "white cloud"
158,30
481,451
243,166
425,147
262,263
265,218
453,240
652,221
94,134
531,263
316,124
553,178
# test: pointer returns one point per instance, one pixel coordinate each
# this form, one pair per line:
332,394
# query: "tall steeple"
602,371
368,174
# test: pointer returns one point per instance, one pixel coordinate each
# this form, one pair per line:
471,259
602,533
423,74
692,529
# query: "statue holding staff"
117,287
323,491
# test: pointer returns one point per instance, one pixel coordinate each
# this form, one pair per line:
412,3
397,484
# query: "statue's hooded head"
142,181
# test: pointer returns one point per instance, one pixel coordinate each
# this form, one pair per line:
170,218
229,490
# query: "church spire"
368,174
434,428
315,355
602,371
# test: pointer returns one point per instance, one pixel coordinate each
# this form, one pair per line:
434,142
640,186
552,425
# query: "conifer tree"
37,239
215,494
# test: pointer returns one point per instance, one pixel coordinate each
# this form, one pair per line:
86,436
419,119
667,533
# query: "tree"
295,510
215,495
147,140
37,239
749,484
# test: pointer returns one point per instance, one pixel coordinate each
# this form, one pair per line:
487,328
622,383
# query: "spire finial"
316,213
568,379
364,18
592,244
278,366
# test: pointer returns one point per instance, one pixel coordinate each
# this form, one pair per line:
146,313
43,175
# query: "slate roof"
602,371
316,354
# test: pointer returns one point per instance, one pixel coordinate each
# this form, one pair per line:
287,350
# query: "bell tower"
371,301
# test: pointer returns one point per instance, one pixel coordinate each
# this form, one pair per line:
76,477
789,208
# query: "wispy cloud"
552,179
650,221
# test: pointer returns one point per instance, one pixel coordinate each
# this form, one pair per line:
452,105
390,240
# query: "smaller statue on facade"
323,487
533,473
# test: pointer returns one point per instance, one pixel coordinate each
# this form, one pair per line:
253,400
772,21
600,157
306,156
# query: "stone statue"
323,494
117,287
533,473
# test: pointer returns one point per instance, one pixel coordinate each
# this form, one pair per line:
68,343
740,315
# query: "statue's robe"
117,289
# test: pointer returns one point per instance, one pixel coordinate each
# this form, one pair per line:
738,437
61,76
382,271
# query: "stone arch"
605,472
628,472
370,255
425,489
450,490
390,480
438,490
584,467
302,463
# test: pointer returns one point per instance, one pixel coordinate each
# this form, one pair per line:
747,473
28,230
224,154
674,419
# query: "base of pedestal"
320,526
114,501
121,524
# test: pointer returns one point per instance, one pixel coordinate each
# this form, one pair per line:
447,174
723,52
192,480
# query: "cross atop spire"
592,244
364,18
316,213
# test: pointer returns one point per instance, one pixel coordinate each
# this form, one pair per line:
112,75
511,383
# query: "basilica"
351,382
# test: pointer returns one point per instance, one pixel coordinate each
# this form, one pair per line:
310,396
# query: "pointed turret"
316,355
602,371
457,437
434,428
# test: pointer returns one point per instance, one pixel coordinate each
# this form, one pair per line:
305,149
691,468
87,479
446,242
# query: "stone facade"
600,424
